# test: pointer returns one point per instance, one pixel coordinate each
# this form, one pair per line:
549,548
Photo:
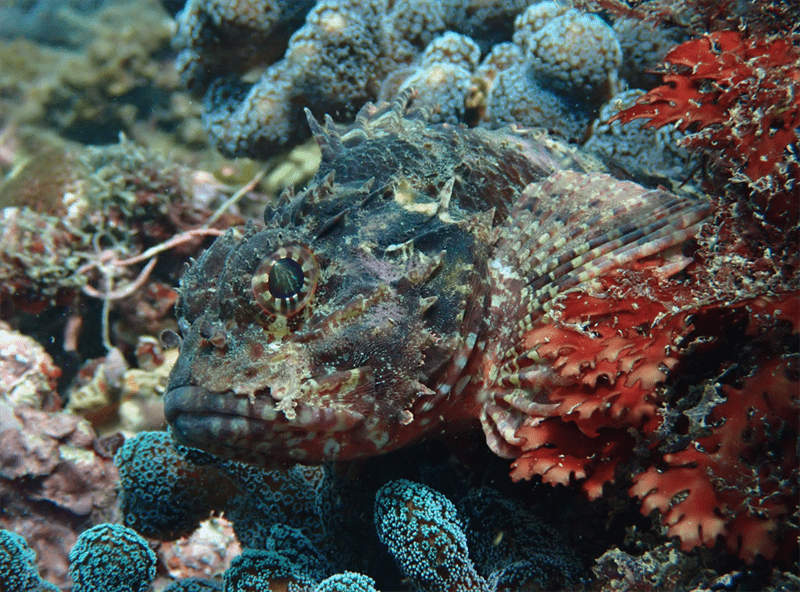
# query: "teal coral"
255,569
573,52
19,573
346,582
562,65
163,495
194,585
322,532
422,530
257,500
443,77
515,97
291,544
348,53
111,557
207,29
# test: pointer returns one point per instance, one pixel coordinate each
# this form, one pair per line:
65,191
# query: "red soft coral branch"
559,451
738,96
729,483
611,358
679,101
737,478
610,354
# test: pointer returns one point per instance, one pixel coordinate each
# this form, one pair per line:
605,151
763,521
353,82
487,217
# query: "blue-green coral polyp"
111,557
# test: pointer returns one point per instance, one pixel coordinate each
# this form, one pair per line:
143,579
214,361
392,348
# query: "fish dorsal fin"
327,138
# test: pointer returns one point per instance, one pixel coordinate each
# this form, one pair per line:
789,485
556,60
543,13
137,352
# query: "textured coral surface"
643,429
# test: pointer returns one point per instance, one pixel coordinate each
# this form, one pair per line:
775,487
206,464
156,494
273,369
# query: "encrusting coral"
151,471
56,479
516,549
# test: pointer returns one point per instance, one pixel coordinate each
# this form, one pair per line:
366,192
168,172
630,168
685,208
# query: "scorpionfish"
388,301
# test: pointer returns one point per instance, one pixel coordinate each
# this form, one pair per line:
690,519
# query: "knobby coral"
422,530
556,65
111,557
19,570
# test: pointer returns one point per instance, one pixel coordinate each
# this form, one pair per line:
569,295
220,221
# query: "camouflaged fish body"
376,307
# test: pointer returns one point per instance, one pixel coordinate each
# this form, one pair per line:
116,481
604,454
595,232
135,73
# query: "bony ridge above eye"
285,281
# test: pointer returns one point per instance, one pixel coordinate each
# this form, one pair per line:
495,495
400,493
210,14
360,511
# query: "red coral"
729,483
737,479
739,97
613,364
611,359
559,451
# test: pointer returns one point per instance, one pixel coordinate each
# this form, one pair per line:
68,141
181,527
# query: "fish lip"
186,414
188,410
183,399
197,401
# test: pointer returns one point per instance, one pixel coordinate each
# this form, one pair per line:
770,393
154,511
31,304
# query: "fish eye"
285,281
285,278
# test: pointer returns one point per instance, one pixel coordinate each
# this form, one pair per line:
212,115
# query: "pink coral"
56,478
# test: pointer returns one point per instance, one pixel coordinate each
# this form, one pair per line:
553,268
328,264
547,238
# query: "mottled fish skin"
361,318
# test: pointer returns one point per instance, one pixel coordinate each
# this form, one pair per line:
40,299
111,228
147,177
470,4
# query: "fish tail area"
588,329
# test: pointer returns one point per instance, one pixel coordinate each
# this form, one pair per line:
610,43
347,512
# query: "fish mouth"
250,428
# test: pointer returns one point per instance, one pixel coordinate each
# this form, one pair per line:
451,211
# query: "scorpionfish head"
333,333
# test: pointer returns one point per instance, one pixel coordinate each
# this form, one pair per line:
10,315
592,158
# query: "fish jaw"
252,429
